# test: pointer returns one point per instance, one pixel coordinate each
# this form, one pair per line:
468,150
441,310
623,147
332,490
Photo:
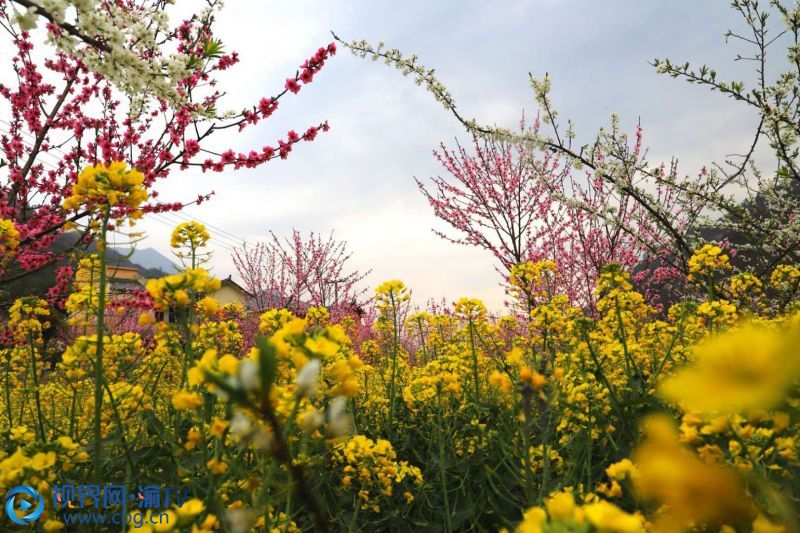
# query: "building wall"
113,274
227,295
119,273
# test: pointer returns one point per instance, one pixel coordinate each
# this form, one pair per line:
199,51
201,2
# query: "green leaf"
194,63
267,362
213,48
235,395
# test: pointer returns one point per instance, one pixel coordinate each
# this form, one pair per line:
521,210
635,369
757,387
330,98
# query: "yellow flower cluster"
431,333
370,470
179,290
750,367
717,312
209,307
222,335
82,304
120,353
561,513
273,320
785,278
689,489
307,362
531,283
125,403
391,294
183,400
108,185
34,464
470,309
706,261
501,381
745,285
9,237
189,234
612,283
297,347
317,316
473,438
28,317
539,408
551,320
441,381
225,365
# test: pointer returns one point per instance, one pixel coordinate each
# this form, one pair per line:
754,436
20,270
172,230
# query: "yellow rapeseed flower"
191,234
533,521
187,400
174,290
191,508
608,517
9,237
561,506
691,490
706,261
749,367
108,185
51,526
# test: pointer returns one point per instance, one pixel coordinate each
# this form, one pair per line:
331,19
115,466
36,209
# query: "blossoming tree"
754,207
296,272
528,206
118,82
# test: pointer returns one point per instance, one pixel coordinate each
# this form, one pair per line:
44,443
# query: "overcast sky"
358,179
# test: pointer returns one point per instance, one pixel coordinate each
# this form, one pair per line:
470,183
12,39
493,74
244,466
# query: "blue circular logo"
33,508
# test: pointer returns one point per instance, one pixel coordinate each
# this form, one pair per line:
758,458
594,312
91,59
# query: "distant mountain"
149,259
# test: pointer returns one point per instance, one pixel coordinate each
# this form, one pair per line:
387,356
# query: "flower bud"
338,421
307,379
240,425
248,374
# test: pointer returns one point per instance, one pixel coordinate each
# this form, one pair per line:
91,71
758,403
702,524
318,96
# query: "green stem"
442,471
290,422
526,446
395,335
73,410
474,360
710,287
98,365
545,458
36,396
9,410
600,374
352,526
121,431
422,338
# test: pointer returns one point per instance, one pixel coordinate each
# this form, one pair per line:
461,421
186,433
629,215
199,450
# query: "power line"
158,217
186,216
170,225
232,242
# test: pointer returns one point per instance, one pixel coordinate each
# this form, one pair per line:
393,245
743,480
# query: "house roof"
228,282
